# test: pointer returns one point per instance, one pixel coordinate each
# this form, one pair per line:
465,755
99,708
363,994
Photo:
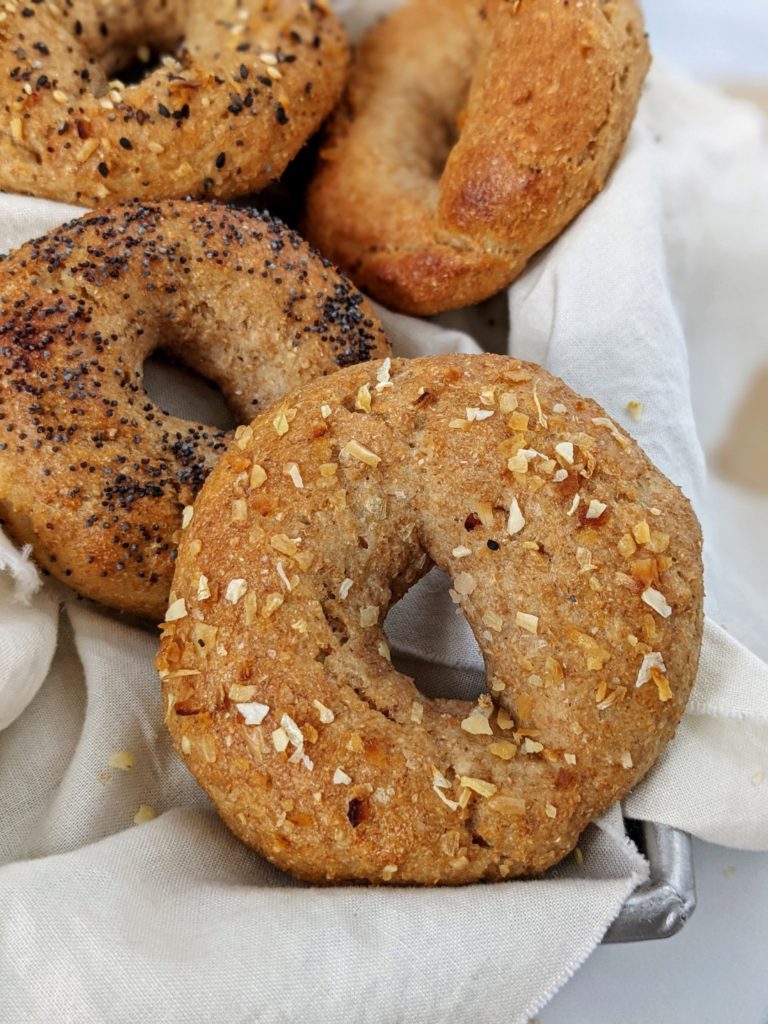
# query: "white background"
711,38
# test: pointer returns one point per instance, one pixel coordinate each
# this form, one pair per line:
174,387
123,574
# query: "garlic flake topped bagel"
471,133
575,561
241,85
93,474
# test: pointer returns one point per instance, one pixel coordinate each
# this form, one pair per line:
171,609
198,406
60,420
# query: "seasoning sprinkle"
361,453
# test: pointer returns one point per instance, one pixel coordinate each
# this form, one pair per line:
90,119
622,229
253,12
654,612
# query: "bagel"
242,86
472,132
92,473
575,561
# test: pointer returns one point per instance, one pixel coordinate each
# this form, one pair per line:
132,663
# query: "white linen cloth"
174,920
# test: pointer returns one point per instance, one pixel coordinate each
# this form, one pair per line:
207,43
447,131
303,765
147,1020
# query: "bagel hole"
135,48
180,391
284,198
145,61
446,135
432,644
432,137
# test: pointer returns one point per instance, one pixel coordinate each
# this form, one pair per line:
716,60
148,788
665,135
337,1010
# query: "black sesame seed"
103,170
126,143
221,159
493,545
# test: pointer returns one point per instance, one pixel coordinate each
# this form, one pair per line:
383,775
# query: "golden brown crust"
576,562
247,84
92,473
471,134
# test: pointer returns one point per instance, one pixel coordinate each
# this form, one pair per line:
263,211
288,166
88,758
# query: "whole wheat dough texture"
238,87
470,135
93,474
575,561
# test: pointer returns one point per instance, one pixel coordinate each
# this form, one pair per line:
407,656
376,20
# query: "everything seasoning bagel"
93,474
575,561
471,133
239,86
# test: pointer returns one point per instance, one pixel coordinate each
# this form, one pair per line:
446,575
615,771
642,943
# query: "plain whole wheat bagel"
241,86
471,133
93,474
575,561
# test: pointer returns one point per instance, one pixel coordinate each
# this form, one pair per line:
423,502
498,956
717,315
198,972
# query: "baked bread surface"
575,561
93,474
470,135
239,87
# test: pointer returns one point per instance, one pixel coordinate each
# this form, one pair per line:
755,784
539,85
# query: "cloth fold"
172,918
